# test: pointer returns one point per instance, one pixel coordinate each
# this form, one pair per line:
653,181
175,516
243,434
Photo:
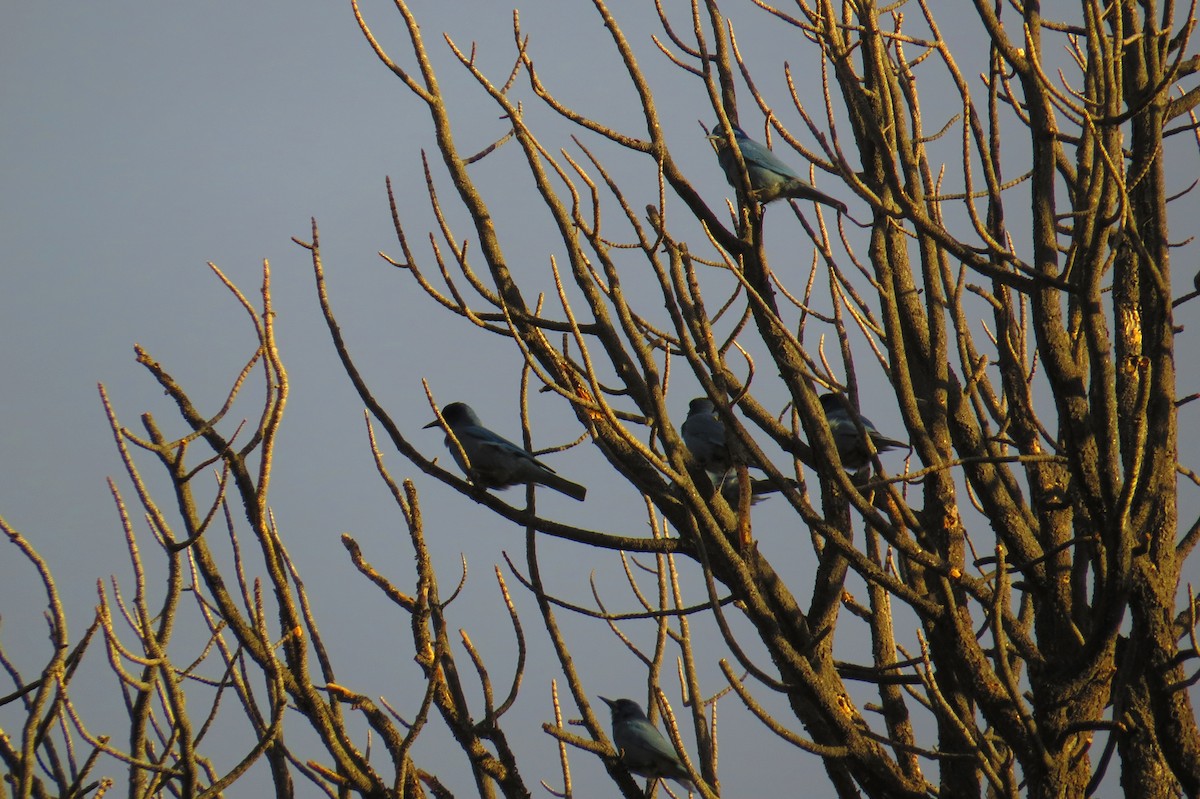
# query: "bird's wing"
498,444
759,155
883,442
648,737
705,430
839,424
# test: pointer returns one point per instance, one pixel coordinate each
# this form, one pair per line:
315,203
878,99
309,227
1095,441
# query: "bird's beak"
607,701
434,423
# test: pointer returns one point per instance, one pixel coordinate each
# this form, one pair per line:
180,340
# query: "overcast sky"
140,141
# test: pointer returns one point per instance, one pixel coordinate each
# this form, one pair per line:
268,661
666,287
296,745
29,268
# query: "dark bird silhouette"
494,461
643,749
851,446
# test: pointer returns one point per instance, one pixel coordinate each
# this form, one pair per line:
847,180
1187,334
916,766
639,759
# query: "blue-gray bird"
850,445
643,749
770,178
703,433
496,462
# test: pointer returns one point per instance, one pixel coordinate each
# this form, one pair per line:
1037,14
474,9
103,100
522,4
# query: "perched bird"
852,449
643,749
704,434
770,178
496,462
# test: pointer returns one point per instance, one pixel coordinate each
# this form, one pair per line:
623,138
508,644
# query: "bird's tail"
759,488
563,485
883,443
803,191
686,783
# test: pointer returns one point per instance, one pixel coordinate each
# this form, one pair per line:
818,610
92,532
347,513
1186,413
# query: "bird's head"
719,142
832,403
623,709
456,413
700,405
718,133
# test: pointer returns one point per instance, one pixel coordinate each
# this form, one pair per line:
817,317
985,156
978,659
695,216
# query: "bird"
643,749
495,462
770,178
703,434
851,447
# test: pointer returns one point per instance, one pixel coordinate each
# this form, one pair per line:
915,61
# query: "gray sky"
142,140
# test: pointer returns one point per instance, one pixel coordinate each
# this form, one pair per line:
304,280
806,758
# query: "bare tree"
1031,542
